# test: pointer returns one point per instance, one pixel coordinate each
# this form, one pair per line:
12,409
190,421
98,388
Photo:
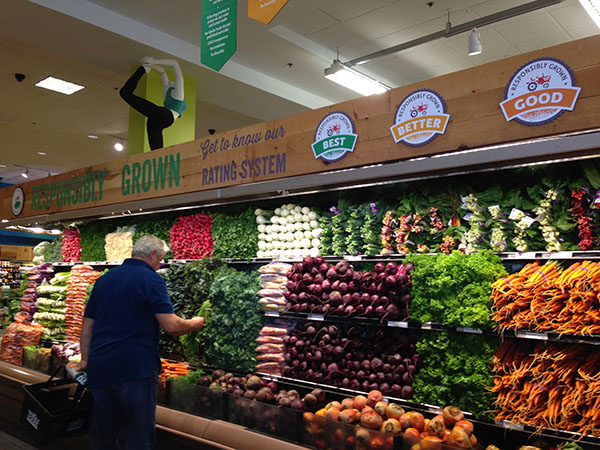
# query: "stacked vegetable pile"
457,371
317,287
373,414
35,277
359,358
52,306
351,230
271,350
191,237
548,385
454,289
71,245
235,235
38,252
118,245
544,298
290,231
273,281
235,321
81,277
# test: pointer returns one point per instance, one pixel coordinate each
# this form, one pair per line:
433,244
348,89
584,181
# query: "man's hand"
82,365
197,323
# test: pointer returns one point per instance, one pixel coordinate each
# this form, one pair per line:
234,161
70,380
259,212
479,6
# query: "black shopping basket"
56,408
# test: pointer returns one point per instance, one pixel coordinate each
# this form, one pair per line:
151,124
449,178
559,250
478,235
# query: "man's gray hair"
146,244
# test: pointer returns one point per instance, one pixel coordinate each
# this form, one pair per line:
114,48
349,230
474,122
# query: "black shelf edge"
431,326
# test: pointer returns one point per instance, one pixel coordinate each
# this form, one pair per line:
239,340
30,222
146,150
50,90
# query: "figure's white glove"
147,62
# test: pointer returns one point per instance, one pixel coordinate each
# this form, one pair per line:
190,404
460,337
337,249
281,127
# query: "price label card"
469,330
319,317
271,313
532,335
546,255
560,255
513,255
354,257
397,324
426,325
512,425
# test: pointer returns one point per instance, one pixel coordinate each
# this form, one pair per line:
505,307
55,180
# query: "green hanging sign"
219,32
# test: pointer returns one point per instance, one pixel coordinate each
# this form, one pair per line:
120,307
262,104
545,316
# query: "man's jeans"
131,405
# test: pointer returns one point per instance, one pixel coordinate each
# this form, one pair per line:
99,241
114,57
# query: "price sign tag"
397,324
319,317
512,425
426,326
469,330
563,255
271,313
354,258
532,335
528,255
546,255
513,255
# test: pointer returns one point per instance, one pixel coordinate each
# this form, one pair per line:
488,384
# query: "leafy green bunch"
454,289
235,235
456,371
235,321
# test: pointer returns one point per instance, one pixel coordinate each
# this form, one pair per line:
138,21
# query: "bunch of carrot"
172,369
544,298
548,385
81,277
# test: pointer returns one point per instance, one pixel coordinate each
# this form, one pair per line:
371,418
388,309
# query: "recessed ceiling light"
58,85
119,146
42,153
93,136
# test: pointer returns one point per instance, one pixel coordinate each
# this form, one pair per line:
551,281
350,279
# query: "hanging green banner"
219,32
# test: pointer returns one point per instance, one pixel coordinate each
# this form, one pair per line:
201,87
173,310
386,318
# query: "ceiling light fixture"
58,85
93,136
592,7
474,42
42,153
25,174
119,146
352,79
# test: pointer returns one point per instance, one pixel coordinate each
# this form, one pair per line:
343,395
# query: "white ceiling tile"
381,21
457,17
485,8
338,36
542,42
419,12
536,25
310,23
344,10
579,33
570,16
493,55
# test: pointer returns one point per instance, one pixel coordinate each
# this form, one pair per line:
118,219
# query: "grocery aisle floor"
13,437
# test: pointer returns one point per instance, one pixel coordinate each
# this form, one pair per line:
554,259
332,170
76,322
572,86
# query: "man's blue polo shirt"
125,333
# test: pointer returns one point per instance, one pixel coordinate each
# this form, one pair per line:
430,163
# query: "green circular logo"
18,201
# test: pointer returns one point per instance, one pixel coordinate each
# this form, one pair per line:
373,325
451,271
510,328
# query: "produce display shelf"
589,440
431,326
394,257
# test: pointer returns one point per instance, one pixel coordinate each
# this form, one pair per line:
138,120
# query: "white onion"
314,224
278,211
314,252
261,245
284,211
305,210
268,245
268,237
298,226
305,243
308,234
268,229
313,215
258,212
297,209
297,244
260,220
315,242
317,232
261,228
306,226
260,254
274,219
289,237
261,236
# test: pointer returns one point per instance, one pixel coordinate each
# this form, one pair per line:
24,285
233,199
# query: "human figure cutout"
159,117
